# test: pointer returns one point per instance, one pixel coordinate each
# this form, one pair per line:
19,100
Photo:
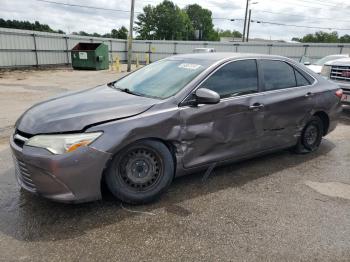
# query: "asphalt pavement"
279,207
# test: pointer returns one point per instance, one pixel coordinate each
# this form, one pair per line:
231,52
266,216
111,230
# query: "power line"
308,4
318,3
86,6
217,18
282,24
295,15
302,26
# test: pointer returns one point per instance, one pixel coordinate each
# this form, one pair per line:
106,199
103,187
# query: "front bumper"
71,177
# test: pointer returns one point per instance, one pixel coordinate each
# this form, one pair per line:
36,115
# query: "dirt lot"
280,207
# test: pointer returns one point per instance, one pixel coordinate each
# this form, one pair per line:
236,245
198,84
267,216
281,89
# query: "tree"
26,25
164,21
202,21
345,39
121,33
323,37
229,33
145,24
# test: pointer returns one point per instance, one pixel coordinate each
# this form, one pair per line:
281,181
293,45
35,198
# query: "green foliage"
121,33
201,20
229,33
164,21
344,39
26,25
167,21
323,37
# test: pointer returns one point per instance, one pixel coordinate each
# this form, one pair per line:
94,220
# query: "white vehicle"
338,71
317,66
204,50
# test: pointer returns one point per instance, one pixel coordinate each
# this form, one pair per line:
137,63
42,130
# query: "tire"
311,136
141,172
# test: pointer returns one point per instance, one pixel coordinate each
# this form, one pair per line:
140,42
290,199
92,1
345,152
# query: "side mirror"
207,96
307,63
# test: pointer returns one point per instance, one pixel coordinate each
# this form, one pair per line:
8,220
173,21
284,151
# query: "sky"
330,14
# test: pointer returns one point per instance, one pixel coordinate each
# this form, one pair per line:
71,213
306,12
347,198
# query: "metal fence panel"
296,51
320,51
51,58
346,50
50,43
27,48
15,58
13,41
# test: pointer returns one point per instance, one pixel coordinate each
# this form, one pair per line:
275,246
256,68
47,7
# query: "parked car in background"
173,117
338,71
317,65
204,50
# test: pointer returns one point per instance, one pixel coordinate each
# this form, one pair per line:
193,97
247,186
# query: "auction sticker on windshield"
189,66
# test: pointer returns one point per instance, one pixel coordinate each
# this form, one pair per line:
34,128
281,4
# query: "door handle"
256,107
308,94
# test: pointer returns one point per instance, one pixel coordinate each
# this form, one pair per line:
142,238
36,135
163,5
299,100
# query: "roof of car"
218,56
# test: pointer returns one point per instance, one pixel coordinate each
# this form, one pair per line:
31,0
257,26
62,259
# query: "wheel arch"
169,144
325,120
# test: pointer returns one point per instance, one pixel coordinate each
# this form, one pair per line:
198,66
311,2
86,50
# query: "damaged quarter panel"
159,122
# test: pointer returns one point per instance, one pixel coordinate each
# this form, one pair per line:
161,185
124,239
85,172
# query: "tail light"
339,93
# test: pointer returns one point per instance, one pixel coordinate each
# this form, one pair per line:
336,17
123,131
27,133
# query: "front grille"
340,73
23,175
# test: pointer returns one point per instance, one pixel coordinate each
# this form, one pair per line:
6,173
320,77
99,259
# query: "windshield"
162,79
326,59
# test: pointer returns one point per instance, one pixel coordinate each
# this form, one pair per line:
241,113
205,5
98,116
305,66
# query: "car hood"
75,111
315,68
339,62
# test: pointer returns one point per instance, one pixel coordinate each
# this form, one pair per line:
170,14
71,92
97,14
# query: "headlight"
59,144
326,71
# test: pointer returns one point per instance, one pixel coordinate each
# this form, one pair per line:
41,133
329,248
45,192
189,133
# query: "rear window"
277,75
281,75
301,80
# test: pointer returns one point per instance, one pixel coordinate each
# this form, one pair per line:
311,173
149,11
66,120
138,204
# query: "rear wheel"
141,172
311,136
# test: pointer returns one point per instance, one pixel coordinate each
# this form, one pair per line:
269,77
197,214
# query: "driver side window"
236,78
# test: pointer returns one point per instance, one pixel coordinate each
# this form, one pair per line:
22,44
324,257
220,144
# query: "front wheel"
311,136
141,172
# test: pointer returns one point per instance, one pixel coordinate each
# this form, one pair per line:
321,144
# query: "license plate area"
345,98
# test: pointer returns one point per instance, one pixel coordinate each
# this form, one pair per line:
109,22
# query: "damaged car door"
289,100
230,128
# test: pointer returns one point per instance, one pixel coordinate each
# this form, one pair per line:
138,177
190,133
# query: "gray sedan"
173,117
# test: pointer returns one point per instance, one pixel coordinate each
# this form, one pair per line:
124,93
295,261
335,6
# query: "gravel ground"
280,207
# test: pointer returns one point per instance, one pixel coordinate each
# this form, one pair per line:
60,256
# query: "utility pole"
249,20
245,20
130,34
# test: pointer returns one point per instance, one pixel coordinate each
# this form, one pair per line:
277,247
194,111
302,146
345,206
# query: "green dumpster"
90,56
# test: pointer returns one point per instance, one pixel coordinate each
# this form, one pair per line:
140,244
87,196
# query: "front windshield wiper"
127,90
